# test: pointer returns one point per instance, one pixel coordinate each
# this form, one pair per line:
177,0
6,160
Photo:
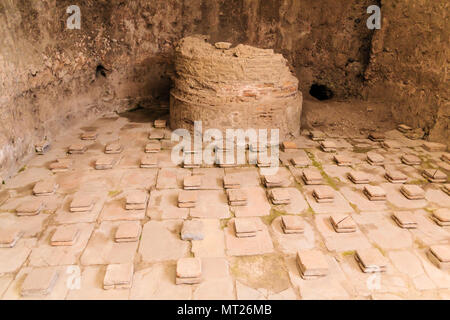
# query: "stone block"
192,230
65,236
129,231
39,282
118,276
312,264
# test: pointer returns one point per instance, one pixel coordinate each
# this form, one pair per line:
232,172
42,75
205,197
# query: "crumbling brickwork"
241,87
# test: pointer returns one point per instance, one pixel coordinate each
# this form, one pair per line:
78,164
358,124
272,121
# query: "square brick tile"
231,182
191,160
192,230
160,123
248,244
89,135
258,204
77,148
156,134
445,157
258,147
153,147
30,208
187,199
312,264
118,276
377,136
129,231
328,146
395,176
300,161
442,217
273,181
435,176
9,237
288,146
82,202
371,260
65,236
439,255
280,196
412,192
343,160
189,271
45,188
375,193
113,148
434,146
323,194
245,227
375,159
292,224
342,223
410,159
149,161
136,200
237,197
391,144
192,182
405,219
359,177
61,165
317,135
265,161
403,128
105,163
446,188
39,282
312,176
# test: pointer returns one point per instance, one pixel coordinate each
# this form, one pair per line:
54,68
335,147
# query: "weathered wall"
409,62
48,73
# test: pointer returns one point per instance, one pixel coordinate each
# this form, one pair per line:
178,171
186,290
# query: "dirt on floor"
352,118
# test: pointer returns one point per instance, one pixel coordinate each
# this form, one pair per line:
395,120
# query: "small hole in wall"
321,92
100,71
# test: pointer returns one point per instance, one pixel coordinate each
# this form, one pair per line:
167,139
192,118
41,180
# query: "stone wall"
409,61
49,78
234,88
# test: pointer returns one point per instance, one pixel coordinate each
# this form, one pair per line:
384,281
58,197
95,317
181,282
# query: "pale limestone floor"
263,267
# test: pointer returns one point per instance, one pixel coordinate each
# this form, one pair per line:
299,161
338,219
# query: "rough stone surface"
229,84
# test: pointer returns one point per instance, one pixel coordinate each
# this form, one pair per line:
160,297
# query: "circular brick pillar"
240,88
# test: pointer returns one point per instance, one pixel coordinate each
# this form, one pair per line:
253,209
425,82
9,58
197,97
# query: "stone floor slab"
163,204
257,204
11,259
291,243
260,244
47,255
213,244
340,204
91,287
102,248
160,241
211,204
171,178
